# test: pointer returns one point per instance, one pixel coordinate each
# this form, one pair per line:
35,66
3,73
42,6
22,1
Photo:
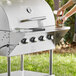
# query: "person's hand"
60,21
60,12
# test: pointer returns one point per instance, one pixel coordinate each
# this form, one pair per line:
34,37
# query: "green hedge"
51,3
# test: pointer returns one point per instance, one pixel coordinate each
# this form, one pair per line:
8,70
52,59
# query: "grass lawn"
63,64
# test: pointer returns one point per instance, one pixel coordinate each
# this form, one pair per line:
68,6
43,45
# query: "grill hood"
25,14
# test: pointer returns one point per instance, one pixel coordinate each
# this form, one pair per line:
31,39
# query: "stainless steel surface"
4,24
27,26
22,62
51,62
9,66
17,48
59,35
17,11
26,73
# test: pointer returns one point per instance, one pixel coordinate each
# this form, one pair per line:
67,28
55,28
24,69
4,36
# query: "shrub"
51,3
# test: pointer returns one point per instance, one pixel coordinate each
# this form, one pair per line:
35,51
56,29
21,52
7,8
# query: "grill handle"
34,19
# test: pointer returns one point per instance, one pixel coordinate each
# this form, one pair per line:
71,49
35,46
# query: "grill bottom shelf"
26,73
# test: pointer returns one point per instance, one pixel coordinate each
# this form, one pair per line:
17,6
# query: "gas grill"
27,26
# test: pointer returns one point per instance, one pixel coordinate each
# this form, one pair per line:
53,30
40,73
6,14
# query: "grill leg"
22,63
51,63
50,66
9,66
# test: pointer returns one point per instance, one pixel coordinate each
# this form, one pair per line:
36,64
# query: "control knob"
33,39
49,37
41,38
24,41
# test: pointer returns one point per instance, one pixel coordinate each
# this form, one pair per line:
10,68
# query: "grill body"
26,19
27,26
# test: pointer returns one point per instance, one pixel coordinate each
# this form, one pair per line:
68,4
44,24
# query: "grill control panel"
34,42
37,38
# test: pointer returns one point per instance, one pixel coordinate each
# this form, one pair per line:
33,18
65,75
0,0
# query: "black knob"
23,41
33,39
49,37
41,38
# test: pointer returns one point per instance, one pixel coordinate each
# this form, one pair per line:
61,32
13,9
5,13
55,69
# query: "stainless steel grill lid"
25,14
